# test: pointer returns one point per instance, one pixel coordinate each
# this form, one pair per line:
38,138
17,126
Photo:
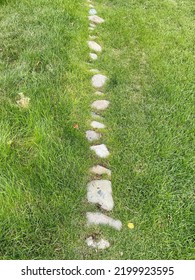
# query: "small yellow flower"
131,225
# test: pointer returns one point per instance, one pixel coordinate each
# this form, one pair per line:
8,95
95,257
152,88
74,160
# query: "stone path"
99,192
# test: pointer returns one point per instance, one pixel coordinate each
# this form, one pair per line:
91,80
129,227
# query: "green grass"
149,58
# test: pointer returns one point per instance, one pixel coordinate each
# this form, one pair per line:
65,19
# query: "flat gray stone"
101,219
93,56
94,46
98,81
96,19
92,12
100,170
92,135
100,104
100,245
100,150
100,192
97,125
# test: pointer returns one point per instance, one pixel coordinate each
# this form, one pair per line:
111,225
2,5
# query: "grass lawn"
148,55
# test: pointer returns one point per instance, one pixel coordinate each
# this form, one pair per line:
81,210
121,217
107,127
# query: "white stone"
100,150
93,56
95,124
101,219
100,170
94,46
100,245
92,135
96,116
99,93
92,12
98,80
96,19
100,192
100,104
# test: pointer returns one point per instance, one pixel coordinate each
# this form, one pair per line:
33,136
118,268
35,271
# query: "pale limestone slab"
100,192
97,125
100,104
100,170
93,56
94,46
101,219
98,81
96,19
92,135
92,12
100,150
100,245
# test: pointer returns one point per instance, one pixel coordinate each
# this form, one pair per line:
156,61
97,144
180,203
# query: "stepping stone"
91,28
96,19
92,37
94,71
100,245
91,6
99,93
101,219
92,25
98,81
96,116
92,12
93,56
95,124
100,104
94,46
100,170
100,192
92,135
100,150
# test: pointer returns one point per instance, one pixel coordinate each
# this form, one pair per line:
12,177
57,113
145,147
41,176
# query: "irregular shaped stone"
99,93
100,150
100,192
96,116
93,56
92,12
98,81
100,170
101,219
92,135
100,104
100,245
94,46
95,124
96,19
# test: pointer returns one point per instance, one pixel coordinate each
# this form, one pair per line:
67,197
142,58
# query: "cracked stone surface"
100,150
92,135
94,46
100,192
96,124
93,56
100,104
100,245
96,116
101,219
98,81
96,19
92,12
100,170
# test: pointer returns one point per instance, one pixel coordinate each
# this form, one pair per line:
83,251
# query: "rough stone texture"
93,56
100,192
95,124
100,245
101,219
100,104
92,135
96,19
100,150
96,116
100,170
98,81
92,12
94,46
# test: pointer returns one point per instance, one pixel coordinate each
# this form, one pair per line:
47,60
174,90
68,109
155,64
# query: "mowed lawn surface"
148,55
